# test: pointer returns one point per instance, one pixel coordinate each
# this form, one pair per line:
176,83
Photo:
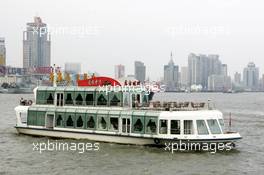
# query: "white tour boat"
131,117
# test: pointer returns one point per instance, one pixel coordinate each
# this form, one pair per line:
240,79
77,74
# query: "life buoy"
157,141
29,102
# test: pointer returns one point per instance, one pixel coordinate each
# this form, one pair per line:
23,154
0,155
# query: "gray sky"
121,31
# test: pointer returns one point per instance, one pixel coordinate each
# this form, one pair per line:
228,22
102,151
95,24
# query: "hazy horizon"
121,31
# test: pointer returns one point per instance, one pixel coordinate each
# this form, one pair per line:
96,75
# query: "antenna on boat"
230,122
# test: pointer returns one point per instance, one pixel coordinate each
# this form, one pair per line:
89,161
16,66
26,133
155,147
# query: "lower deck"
105,124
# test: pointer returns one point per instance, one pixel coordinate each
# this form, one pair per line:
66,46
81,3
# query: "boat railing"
175,106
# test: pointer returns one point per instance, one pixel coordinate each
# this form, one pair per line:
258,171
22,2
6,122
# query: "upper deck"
134,97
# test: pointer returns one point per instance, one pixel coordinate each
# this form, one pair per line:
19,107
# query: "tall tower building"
119,71
198,70
36,45
251,76
140,71
171,76
2,52
237,78
224,69
184,76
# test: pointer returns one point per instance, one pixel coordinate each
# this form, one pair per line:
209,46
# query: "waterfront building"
215,65
198,70
219,83
119,71
251,76
237,78
36,45
171,75
200,67
224,69
2,52
184,76
140,71
73,68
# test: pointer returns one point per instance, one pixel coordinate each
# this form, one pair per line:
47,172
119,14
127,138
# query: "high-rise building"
119,71
200,67
215,65
219,83
251,76
193,70
2,52
237,78
224,69
262,82
36,45
140,71
198,70
184,76
171,76
73,68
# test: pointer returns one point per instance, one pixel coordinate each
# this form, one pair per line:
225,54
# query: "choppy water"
17,155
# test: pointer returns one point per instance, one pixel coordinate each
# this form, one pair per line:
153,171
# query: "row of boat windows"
142,125
81,98
188,126
89,98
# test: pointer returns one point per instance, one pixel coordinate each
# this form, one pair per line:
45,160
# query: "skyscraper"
171,76
184,76
198,70
201,67
237,78
224,69
119,71
251,76
2,52
36,45
215,65
140,71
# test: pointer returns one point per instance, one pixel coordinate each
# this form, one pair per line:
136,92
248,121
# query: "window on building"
79,99
175,127
138,126
80,122
151,126
89,99
114,123
222,124
163,127
188,126
91,123
201,127
69,100
101,101
69,121
102,123
59,121
50,99
115,101
214,127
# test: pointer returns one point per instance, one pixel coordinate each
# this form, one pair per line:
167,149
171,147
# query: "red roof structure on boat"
99,81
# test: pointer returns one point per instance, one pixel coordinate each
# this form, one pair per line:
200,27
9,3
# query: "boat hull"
120,139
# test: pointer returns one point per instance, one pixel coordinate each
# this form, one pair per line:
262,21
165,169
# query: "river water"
17,155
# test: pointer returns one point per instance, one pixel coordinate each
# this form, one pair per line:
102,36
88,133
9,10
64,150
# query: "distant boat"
16,90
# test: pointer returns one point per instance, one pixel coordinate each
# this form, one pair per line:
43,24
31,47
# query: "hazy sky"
121,31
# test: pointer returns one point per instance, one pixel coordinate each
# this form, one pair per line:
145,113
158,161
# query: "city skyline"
129,35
